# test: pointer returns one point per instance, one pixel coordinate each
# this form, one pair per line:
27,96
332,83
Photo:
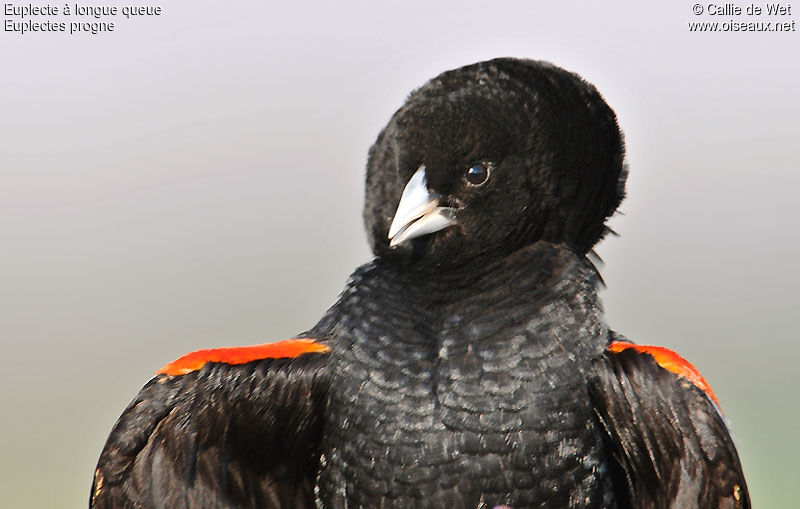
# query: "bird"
468,364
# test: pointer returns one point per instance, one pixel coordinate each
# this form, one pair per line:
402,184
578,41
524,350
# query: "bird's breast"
477,403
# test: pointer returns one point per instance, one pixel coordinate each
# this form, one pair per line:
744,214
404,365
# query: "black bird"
467,365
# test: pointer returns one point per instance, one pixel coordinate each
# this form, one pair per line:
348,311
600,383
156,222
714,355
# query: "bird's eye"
477,174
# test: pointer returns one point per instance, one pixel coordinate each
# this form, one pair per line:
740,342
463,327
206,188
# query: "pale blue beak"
418,212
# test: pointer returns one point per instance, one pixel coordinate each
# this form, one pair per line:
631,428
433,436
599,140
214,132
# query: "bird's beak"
419,212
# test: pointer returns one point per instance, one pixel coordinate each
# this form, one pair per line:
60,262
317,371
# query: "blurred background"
195,179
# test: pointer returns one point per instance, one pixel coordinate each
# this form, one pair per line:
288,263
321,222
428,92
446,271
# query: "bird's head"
489,158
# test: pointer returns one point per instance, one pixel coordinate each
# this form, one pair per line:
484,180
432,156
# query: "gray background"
195,180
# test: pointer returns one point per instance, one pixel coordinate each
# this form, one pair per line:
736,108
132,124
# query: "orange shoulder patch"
670,361
289,348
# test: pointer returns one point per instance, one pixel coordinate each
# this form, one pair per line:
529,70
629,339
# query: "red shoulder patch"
289,348
670,361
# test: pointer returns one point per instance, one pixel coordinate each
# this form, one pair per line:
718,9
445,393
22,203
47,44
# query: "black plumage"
468,364
649,419
225,435
553,144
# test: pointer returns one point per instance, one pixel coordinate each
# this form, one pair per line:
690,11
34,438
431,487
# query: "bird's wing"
668,441
233,427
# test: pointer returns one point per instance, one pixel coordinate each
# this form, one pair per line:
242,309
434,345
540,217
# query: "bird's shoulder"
664,429
234,426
